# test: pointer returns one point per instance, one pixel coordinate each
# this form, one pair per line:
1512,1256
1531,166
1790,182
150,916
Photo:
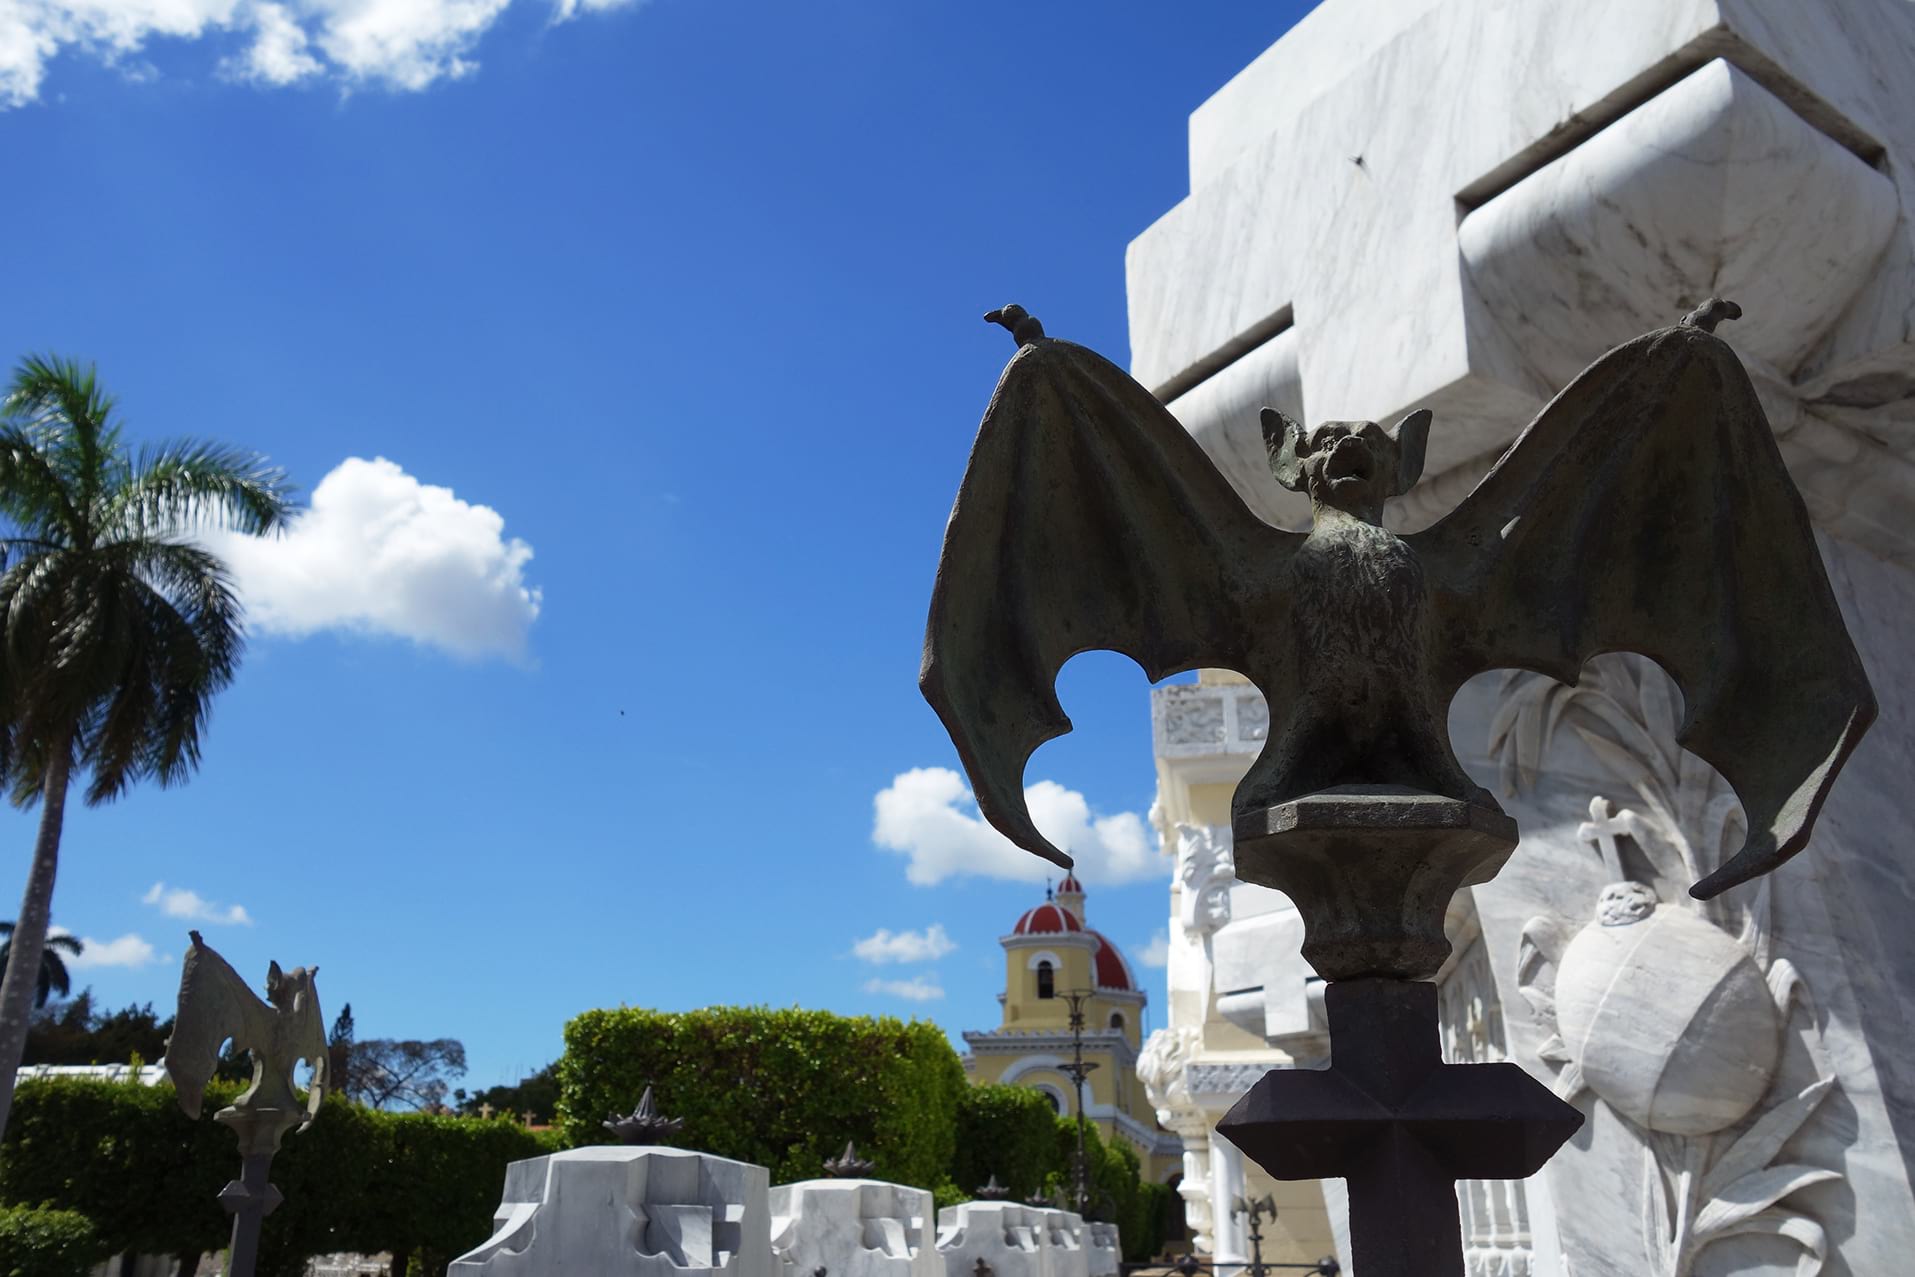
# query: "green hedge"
1118,1192
1008,1132
358,1179
48,1243
783,1088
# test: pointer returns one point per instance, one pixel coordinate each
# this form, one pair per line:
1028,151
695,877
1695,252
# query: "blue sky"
628,356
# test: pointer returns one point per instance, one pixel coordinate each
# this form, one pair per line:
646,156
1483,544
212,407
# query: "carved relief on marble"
1205,872
1162,1067
1672,1012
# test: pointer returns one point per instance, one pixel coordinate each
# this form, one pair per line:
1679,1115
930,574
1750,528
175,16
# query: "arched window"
1116,1019
1057,1104
1045,987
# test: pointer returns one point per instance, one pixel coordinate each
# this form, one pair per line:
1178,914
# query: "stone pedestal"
615,1211
1372,869
853,1228
1105,1250
1012,1240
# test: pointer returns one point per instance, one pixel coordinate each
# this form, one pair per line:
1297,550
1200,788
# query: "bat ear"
1411,435
1283,439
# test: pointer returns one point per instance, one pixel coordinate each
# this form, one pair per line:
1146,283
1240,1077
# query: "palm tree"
116,626
53,974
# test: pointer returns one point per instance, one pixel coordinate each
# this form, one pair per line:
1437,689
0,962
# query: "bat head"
284,987
1352,465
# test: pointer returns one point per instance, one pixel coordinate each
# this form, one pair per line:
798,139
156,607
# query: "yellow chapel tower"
1049,954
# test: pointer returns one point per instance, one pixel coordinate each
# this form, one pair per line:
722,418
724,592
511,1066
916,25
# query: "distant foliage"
48,1243
537,1095
783,1088
1118,1193
1009,1132
75,1032
358,1180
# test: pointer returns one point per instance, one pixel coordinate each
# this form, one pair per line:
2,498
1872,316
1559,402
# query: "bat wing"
215,1004
1087,519
1647,509
307,1037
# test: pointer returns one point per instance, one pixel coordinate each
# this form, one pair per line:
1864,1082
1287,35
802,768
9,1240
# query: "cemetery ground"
93,1168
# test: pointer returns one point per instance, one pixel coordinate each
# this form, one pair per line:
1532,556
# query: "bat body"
1646,509
216,1005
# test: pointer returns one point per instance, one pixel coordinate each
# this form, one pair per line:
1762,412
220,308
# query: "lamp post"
1077,1070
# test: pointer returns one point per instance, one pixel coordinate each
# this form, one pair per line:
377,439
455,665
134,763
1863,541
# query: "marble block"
1016,1241
611,1211
854,1228
1105,1251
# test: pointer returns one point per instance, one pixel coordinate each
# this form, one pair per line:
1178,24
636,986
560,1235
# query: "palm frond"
180,485
59,394
33,491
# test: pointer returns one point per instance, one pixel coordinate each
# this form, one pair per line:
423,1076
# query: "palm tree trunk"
30,928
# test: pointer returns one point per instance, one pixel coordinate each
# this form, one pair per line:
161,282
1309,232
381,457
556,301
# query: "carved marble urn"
1667,1016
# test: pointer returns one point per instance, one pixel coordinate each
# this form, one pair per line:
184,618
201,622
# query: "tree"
75,1033
339,1049
116,626
53,973
384,1073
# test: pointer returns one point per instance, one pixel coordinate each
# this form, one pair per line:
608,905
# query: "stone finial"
644,1125
849,1165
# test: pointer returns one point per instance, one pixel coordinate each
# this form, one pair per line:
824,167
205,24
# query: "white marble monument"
1104,1250
620,1211
1012,1240
854,1228
1458,204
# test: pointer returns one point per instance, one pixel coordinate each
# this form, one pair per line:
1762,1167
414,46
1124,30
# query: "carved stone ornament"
1672,1013
280,1032
1205,873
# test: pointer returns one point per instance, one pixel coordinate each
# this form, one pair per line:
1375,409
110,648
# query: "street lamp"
1077,1070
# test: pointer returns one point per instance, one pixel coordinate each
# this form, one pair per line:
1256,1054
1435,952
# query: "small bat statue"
1646,509
216,1004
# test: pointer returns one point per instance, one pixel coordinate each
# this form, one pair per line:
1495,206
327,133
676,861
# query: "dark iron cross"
1400,1125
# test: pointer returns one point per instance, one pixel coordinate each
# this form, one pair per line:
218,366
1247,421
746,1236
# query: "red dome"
1112,971
1046,919
1070,886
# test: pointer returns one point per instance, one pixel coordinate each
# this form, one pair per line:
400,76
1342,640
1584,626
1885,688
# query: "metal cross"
1400,1125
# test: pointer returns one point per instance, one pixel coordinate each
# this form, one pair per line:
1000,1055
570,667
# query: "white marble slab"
854,1228
627,1212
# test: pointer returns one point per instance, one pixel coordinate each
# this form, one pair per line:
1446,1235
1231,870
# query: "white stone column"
1226,1186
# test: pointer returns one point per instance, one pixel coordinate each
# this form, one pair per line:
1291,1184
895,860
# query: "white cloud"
280,52
918,988
380,552
928,815
178,902
883,946
396,44
1157,952
129,950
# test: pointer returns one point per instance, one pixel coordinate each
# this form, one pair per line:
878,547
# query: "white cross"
1602,829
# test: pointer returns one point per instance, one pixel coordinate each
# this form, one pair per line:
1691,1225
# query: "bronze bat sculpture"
1646,509
216,1004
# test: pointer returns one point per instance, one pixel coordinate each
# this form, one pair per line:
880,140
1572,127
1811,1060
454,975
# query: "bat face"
1353,466
1345,463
